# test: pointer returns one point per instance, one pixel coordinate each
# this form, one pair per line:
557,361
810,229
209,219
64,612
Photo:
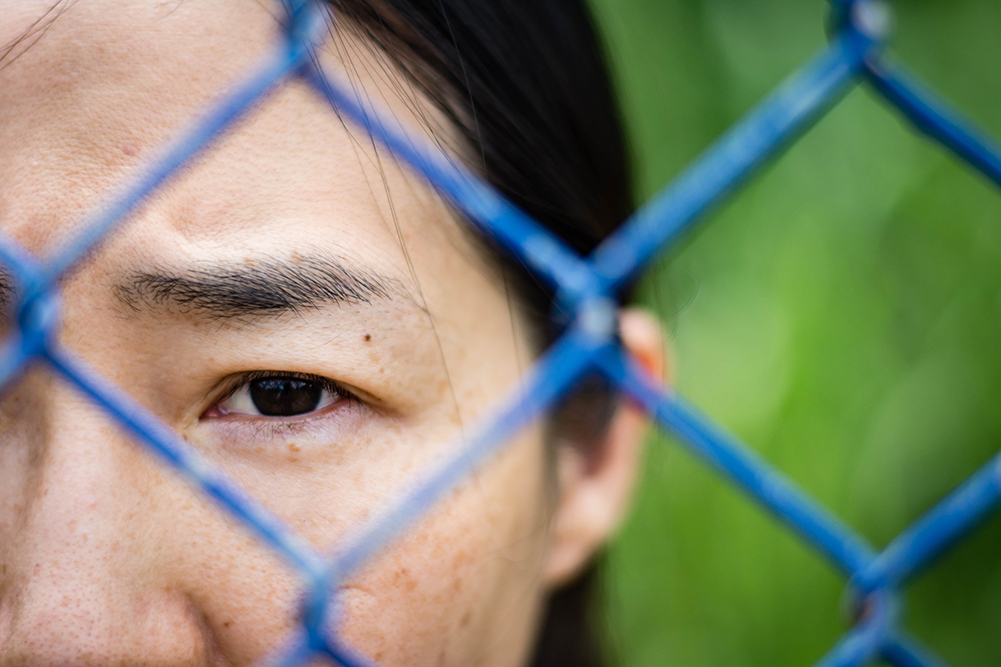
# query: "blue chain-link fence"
585,287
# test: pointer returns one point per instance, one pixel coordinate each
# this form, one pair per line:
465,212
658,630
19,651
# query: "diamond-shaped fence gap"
790,110
755,224
737,226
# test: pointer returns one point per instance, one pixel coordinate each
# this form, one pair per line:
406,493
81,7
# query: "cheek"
464,587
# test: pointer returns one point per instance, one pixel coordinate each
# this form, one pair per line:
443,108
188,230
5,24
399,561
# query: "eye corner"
213,411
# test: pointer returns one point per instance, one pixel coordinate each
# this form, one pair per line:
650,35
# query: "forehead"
91,91
80,75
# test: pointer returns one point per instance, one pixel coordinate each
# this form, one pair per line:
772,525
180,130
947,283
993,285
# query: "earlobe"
596,483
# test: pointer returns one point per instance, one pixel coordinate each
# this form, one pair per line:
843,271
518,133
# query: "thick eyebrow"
255,288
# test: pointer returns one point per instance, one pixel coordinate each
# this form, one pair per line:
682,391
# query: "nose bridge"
80,489
78,579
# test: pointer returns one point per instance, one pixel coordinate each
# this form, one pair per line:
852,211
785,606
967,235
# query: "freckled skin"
106,557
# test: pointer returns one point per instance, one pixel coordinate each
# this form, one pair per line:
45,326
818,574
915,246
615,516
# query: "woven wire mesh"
585,287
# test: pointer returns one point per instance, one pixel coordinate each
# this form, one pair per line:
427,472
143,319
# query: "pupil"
284,397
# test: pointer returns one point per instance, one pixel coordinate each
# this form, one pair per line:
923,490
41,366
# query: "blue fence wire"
585,286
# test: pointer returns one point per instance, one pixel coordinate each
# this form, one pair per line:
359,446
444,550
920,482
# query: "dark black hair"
525,83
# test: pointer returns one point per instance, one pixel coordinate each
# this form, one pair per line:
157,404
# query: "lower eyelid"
321,433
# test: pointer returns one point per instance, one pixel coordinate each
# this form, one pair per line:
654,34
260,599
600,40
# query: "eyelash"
240,381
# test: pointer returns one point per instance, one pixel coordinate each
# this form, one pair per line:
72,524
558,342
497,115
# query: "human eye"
276,395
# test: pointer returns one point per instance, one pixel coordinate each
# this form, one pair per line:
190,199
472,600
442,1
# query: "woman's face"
304,313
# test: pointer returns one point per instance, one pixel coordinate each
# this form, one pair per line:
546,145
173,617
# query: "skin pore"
292,250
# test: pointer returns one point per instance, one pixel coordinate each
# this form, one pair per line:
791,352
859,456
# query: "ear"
596,483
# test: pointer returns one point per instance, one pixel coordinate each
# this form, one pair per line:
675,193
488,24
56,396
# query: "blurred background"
842,316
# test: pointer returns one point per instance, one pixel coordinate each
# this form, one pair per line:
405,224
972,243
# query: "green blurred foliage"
841,315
